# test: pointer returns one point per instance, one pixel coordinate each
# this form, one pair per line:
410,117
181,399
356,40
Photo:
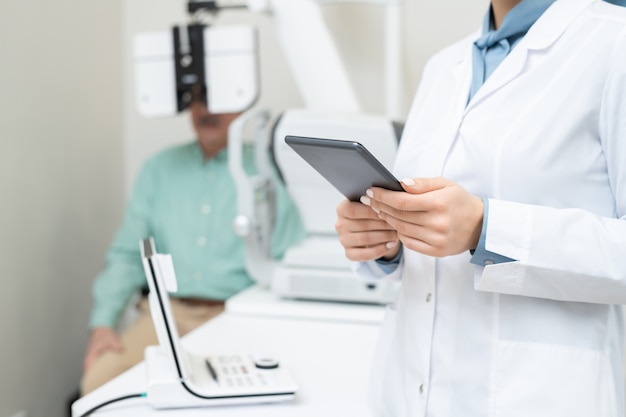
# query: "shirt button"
429,297
206,209
197,276
421,388
201,241
489,262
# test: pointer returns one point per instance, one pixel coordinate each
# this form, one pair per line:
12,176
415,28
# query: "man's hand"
363,234
102,339
436,217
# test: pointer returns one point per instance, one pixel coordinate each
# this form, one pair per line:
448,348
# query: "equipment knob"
241,224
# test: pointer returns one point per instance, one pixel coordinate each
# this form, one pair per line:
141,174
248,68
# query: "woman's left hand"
435,216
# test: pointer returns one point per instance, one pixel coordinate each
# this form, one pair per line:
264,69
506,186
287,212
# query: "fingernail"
365,200
393,244
369,193
376,210
408,181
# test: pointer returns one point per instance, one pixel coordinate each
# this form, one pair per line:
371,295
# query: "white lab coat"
545,140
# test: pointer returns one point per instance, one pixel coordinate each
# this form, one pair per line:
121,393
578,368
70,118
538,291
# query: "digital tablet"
346,164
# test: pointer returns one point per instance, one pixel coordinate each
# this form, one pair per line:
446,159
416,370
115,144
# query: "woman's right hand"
363,234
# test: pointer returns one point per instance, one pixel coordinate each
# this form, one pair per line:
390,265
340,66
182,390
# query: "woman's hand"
363,234
435,216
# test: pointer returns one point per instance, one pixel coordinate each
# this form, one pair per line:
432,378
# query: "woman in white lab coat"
534,167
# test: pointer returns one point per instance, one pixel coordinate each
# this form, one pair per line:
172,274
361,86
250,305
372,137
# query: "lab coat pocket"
381,359
542,380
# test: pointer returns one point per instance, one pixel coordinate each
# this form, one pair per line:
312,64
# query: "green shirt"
188,205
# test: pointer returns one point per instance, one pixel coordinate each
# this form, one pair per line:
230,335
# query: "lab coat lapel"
462,76
461,73
541,35
510,68
456,75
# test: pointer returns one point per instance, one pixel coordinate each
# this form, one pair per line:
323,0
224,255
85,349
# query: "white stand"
164,387
178,379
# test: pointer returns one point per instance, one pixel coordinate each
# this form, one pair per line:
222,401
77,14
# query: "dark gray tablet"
347,165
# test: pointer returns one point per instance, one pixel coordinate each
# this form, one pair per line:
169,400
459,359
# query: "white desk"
329,360
258,301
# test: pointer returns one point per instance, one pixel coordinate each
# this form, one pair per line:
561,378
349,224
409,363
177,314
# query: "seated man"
186,199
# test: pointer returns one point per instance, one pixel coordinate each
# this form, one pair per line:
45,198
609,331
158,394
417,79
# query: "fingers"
420,195
423,185
90,358
102,340
363,234
352,210
356,217
363,254
93,354
344,225
368,238
435,216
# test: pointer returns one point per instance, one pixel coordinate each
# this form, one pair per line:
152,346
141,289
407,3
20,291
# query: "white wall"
61,189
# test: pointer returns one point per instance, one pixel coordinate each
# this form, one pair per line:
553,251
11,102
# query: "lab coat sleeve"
568,254
564,254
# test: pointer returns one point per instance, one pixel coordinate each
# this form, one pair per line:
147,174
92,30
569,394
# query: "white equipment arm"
311,54
316,269
255,195
393,50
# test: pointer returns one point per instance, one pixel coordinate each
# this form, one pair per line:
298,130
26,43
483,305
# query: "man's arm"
123,275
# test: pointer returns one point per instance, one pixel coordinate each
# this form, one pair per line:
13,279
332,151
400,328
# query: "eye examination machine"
317,268
219,64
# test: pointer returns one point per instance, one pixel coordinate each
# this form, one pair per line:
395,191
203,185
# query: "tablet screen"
347,165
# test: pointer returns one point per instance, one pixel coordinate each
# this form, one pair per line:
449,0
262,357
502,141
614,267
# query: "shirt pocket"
542,380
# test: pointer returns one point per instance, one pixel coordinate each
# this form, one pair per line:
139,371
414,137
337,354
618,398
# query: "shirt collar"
221,156
515,24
